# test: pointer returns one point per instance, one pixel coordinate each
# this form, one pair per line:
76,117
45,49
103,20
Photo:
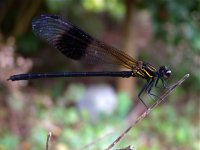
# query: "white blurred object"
98,99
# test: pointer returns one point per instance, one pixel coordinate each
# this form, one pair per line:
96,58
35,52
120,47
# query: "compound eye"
168,73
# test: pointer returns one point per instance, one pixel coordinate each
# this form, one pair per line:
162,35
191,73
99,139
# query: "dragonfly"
78,45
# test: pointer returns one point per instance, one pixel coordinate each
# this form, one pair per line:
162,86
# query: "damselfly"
78,45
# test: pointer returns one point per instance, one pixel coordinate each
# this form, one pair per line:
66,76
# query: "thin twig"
159,100
48,139
127,148
97,140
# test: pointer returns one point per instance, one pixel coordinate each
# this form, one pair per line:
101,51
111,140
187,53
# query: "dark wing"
76,44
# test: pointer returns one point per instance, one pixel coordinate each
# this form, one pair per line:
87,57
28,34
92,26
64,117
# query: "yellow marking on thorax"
150,76
139,73
151,68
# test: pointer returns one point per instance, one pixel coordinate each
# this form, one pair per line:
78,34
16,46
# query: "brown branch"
126,148
146,113
48,139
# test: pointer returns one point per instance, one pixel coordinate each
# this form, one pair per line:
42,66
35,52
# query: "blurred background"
78,111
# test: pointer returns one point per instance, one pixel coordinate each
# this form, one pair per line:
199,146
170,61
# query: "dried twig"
159,100
48,139
96,141
127,148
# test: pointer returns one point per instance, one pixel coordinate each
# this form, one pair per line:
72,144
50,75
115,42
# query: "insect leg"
150,88
142,90
164,84
157,82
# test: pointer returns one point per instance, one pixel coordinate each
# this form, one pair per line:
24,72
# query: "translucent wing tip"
48,27
36,22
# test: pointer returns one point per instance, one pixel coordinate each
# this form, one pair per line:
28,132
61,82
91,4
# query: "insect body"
78,45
